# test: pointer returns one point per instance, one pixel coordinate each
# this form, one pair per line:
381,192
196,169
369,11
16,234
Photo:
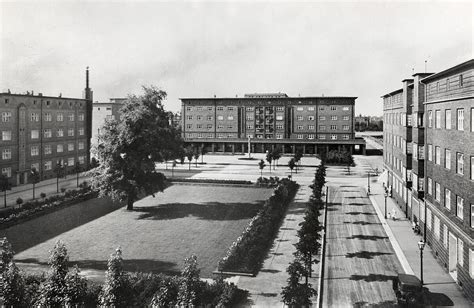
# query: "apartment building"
265,121
102,112
429,156
41,131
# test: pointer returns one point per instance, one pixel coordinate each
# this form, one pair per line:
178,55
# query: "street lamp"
368,182
385,197
421,245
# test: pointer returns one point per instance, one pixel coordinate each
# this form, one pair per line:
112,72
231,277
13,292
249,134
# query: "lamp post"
385,197
368,182
421,245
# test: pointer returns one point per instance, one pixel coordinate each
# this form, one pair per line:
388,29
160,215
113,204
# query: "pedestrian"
394,214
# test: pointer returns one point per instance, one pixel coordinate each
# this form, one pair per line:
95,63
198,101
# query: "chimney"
87,91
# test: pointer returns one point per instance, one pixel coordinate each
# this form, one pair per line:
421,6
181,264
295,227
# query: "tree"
12,287
196,156
261,165
297,294
115,287
19,201
298,155
77,169
276,155
189,155
130,147
203,152
188,293
291,165
173,165
269,159
309,236
59,170
34,179
4,186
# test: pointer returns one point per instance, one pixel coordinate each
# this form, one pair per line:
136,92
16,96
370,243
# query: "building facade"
429,156
41,131
265,121
102,112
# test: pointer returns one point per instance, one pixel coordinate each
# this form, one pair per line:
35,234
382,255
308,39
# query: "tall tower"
88,94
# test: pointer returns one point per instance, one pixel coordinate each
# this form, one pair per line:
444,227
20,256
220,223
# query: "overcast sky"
229,48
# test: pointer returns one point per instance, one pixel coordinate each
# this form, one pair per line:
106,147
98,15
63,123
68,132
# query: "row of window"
446,160
47,149
438,123
48,165
48,103
435,88
278,108
268,136
35,117
47,133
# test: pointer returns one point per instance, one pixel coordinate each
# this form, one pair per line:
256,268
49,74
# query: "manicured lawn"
186,219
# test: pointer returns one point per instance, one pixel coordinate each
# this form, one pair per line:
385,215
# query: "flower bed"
247,253
36,208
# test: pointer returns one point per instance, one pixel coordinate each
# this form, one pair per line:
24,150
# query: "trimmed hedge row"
37,207
212,181
247,253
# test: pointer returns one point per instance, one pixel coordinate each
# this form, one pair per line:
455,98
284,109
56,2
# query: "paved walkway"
444,290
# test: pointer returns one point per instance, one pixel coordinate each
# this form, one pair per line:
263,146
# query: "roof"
393,93
259,98
265,95
465,65
42,96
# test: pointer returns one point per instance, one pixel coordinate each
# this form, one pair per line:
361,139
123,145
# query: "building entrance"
453,256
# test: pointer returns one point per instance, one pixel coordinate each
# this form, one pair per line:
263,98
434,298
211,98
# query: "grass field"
186,219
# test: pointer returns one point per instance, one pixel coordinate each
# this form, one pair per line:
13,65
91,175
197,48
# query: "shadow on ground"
367,237
366,254
207,211
372,277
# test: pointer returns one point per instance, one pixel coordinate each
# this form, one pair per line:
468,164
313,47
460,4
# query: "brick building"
102,112
429,156
306,124
41,131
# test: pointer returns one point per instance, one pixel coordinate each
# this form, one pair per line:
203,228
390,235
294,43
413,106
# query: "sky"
229,48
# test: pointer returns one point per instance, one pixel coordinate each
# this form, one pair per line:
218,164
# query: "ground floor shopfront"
452,247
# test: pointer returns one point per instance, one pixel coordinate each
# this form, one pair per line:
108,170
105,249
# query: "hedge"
212,181
247,253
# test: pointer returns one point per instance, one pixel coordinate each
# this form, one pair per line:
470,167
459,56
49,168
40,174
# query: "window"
249,117
80,145
81,159
322,127
70,161
6,154
447,198
230,117
59,148
430,118
322,118
437,192
436,227
333,118
34,134
71,117
6,135
47,133
472,119
189,126
310,118
311,136
459,163
472,215
34,117
299,108
70,146
445,236
430,152
345,118
60,132
199,126
6,116
460,119
209,126
279,126
459,207
59,117
447,118
345,108
220,126
230,108
311,108
220,108
279,108
333,108
48,165
299,127
279,117
311,127
47,117
299,118
321,137
461,81
472,167
299,136
110,117
345,127
199,108
230,127
428,218
199,118
438,118
279,136
437,155
471,262
47,149
345,137
189,117
188,108
460,252
70,132
7,172
333,127
447,159
430,187
333,137
220,118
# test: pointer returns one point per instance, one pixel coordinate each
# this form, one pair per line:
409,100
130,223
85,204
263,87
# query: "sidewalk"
265,288
436,279
25,191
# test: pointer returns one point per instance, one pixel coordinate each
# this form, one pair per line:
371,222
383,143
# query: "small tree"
196,156
269,159
4,186
42,195
59,171
291,165
114,289
261,165
188,293
12,287
297,294
172,168
203,152
77,169
189,156
276,155
6,253
34,179
298,155
19,201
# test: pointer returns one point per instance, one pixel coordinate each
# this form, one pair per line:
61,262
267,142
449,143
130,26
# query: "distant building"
306,124
101,112
368,123
41,131
429,156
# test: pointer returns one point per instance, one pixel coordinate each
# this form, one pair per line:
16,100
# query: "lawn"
186,219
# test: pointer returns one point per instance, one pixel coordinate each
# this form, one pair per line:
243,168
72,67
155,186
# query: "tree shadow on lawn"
207,211
359,213
372,277
363,223
366,237
129,265
366,254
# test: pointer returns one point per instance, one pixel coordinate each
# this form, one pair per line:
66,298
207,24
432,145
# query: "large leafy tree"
129,148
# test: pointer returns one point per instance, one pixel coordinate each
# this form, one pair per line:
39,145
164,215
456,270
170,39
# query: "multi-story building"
41,131
102,112
265,121
429,156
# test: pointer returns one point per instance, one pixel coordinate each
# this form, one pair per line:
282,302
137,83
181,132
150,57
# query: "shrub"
42,195
19,201
188,292
63,190
12,286
116,290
